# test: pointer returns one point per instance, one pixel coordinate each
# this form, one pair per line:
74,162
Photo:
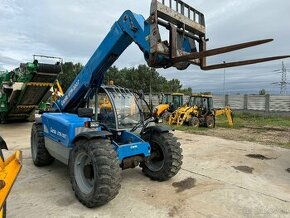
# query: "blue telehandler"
96,143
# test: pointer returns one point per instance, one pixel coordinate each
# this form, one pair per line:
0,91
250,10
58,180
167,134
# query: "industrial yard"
193,120
217,179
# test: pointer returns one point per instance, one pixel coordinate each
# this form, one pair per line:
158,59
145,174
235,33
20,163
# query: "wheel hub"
156,160
84,172
88,171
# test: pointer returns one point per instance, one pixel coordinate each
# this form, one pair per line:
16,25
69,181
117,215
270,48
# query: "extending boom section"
130,27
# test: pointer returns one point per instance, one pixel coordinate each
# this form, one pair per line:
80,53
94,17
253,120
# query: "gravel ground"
219,178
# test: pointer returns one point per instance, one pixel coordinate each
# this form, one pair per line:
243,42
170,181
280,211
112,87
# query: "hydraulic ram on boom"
118,137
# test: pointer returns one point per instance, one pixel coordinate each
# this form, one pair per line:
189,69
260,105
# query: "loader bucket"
187,42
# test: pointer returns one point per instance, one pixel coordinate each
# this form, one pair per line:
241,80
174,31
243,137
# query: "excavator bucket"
187,42
9,170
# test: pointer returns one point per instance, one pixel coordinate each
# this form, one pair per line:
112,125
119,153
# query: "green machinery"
22,89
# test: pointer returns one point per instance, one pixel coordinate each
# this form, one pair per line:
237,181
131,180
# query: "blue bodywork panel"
61,127
131,145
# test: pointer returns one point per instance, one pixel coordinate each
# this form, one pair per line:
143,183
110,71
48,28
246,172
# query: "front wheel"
94,172
194,122
165,116
166,156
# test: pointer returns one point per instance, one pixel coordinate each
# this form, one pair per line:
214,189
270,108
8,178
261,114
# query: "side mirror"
85,112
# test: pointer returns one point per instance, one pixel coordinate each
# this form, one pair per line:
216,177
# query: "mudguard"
154,129
92,134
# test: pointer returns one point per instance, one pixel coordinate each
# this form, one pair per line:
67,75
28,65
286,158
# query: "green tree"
262,92
186,91
70,71
137,78
173,85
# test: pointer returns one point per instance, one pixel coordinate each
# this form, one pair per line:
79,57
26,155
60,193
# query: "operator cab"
203,102
174,100
117,108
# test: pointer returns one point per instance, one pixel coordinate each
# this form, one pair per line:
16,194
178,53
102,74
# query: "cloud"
6,62
73,29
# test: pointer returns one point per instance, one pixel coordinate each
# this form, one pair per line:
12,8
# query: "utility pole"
224,80
283,84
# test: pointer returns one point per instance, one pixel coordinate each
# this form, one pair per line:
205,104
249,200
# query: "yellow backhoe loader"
228,112
199,111
168,103
9,170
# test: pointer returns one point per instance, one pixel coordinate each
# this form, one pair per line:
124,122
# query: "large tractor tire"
165,116
194,122
39,153
94,172
166,156
3,210
210,122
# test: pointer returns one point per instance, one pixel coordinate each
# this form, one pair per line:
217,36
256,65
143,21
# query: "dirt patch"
173,211
65,202
244,169
184,184
259,156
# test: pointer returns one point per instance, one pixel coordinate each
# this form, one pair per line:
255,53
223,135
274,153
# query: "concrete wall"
267,103
264,103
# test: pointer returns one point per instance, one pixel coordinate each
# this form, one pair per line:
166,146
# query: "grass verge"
271,130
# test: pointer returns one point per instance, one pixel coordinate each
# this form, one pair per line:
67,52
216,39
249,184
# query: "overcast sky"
73,29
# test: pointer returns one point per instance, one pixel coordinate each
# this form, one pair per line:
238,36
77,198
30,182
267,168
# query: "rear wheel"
210,123
39,153
166,156
3,209
94,172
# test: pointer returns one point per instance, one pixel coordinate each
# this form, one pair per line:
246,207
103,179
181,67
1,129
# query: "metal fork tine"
222,50
242,63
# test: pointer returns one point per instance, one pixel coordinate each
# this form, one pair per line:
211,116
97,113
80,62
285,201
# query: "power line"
283,84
